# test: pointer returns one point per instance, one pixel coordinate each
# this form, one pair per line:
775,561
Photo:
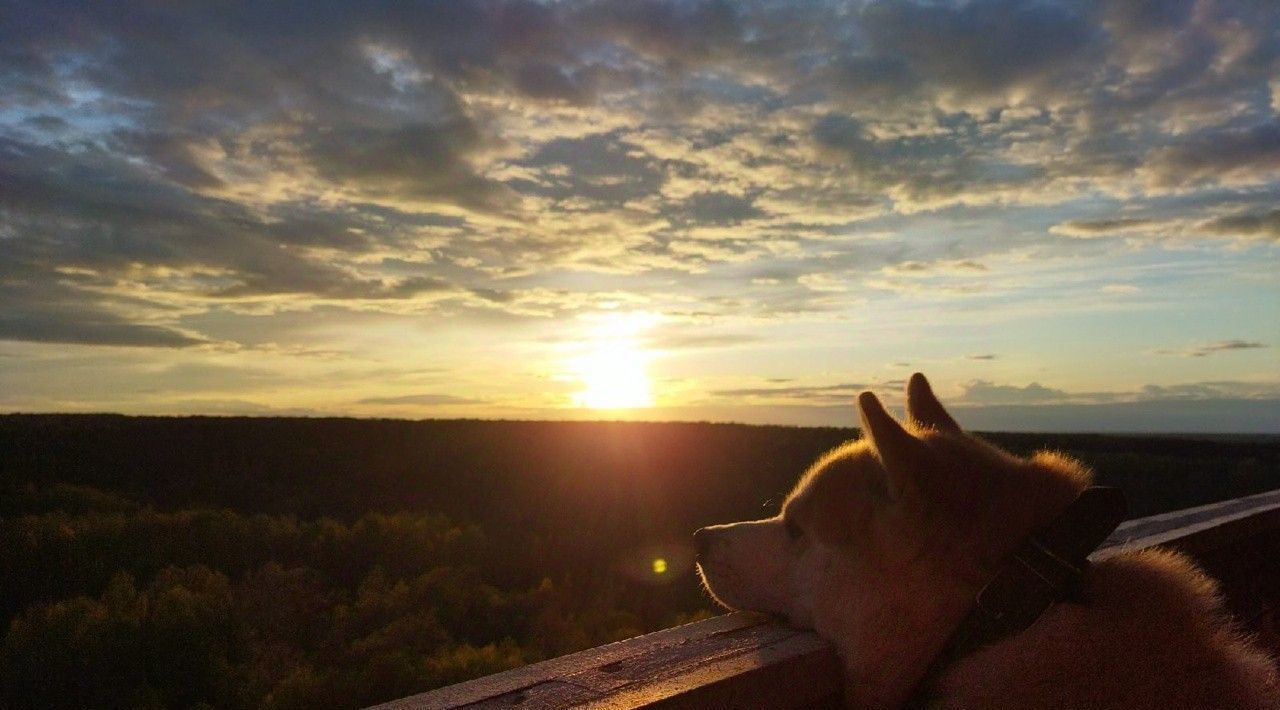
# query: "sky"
1067,214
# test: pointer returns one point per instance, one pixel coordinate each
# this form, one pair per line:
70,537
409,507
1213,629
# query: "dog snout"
702,538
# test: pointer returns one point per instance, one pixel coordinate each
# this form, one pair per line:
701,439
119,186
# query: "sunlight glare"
613,371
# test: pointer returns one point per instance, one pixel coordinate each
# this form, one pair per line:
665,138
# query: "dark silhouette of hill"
242,562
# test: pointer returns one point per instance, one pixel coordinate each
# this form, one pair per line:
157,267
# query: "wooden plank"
1237,542
744,660
518,679
683,659
666,662
801,670
1189,529
541,696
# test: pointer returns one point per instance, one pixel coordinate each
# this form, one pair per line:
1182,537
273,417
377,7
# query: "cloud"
954,47
926,287
231,58
815,393
830,283
79,327
421,400
1244,227
515,159
1201,416
985,392
601,167
102,253
1213,348
90,208
544,80
1204,406
1088,229
408,163
1256,225
1244,155
1198,416
959,266
685,32
1209,390
718,208
690,340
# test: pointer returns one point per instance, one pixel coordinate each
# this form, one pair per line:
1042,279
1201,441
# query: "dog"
885,541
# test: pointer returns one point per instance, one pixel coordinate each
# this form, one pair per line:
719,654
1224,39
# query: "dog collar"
1046,569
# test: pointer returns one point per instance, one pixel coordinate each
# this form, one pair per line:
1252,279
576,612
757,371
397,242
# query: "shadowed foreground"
746,660
154,562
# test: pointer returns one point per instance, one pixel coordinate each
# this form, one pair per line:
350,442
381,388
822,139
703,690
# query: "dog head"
889,532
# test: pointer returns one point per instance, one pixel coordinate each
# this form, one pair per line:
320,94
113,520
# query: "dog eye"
793,530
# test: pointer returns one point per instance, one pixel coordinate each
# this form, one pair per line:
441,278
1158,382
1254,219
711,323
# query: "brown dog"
885,541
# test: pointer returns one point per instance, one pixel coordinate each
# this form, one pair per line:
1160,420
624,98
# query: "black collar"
1048,568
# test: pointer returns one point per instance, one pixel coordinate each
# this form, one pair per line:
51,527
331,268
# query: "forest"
286,563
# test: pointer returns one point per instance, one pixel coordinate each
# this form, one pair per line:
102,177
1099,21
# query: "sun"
613,376
613,371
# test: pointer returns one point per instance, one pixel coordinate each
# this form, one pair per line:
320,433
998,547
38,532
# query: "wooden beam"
745,660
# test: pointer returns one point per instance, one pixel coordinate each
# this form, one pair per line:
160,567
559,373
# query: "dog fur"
884,542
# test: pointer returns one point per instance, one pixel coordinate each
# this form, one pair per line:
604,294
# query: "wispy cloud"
1246,226
1088,229
684,339
421,400
1251,225
810,393
985,392
1207,349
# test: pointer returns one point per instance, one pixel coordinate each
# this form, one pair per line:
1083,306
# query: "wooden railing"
743,660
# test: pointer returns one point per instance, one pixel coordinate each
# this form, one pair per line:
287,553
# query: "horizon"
988,421
1064,213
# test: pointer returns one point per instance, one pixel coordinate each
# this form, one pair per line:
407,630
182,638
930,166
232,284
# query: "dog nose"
702,540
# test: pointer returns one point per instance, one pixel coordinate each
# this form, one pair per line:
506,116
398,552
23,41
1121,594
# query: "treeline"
113,605
234,562
629,482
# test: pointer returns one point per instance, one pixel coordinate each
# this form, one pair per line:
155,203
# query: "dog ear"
902,455
925,409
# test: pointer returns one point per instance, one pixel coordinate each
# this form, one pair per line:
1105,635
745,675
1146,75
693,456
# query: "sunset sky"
1067,214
